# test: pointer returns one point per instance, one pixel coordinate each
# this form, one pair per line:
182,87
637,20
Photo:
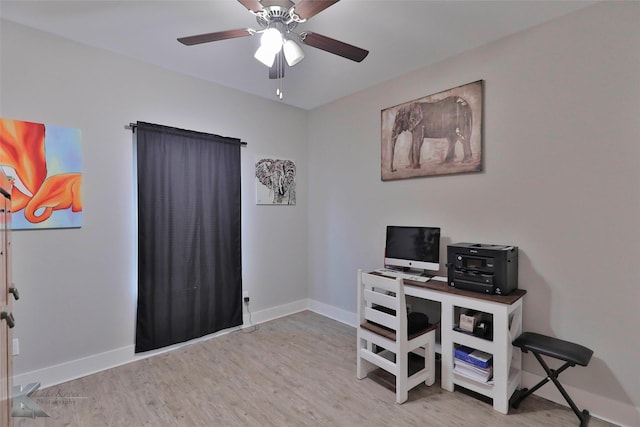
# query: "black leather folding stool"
572,354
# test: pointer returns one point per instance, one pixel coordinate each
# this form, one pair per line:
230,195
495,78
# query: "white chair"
382,322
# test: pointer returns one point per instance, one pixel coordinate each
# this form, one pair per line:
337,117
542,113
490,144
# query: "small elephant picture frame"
275,181
438,134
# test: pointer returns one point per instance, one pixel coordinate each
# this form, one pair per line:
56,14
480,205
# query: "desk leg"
446,342
501,360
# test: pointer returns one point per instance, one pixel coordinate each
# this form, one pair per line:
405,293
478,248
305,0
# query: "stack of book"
474,364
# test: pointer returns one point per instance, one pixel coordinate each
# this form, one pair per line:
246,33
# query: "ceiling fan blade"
305,9
334,46
252,5
277,69
212,37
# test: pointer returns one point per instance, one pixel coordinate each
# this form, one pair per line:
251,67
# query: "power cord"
251,328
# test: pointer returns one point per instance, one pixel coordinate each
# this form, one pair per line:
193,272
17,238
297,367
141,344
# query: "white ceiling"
401,36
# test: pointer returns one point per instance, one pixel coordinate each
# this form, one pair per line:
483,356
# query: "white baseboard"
334,313
77,368
612,411
623,414
273,313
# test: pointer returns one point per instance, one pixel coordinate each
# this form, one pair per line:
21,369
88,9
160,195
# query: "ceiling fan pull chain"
279,91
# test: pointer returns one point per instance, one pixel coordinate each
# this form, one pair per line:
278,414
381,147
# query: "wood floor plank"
298,370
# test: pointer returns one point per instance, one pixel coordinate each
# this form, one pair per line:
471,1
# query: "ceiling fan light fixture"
292,52
266,56
271,39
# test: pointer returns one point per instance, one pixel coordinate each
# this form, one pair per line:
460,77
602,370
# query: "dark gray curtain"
189,251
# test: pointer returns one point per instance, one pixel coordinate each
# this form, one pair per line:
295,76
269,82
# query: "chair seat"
554,347
390,333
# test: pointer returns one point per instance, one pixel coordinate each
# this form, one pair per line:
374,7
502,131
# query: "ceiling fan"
277,20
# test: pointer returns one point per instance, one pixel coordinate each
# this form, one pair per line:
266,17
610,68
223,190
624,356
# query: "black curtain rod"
132,127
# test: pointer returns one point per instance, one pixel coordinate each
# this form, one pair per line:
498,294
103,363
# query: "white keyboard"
406,276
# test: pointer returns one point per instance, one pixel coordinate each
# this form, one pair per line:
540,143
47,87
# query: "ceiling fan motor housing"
278,14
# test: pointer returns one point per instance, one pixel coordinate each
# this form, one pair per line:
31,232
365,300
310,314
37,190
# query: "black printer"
478,267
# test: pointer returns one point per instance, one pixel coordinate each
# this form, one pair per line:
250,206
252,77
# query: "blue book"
473,356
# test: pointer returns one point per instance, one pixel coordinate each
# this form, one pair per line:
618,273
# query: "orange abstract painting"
44,163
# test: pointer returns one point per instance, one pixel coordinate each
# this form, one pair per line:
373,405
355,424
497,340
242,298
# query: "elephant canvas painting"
438,134
275,182
44,162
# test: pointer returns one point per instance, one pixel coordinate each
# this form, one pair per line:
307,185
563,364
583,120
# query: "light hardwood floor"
299,370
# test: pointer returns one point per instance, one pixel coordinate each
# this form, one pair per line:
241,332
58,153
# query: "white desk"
507,325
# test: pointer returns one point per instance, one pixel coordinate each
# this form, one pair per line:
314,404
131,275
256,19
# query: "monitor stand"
409,270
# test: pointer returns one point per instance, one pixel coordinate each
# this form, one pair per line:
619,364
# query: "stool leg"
553,376
518,397
524,393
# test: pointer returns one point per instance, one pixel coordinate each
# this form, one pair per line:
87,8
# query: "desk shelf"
471,341
487,389
507,370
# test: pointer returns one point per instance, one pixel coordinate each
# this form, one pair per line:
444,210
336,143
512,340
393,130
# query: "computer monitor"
415,248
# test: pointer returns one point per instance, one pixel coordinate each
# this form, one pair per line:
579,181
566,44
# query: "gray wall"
562,104
78,287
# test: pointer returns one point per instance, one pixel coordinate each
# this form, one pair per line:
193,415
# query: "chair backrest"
381,301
